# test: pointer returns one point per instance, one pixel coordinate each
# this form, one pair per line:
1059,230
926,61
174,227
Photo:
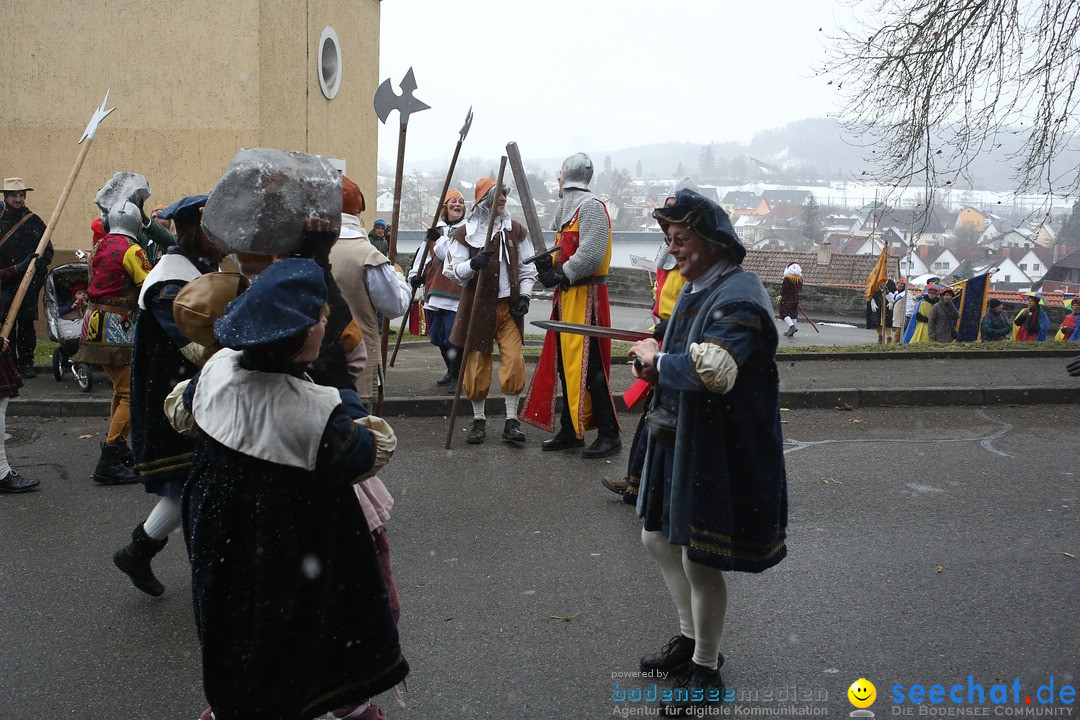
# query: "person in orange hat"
20,232
441,294
502,304
370,285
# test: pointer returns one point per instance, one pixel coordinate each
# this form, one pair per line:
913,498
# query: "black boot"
477,431
111,469
562,440
602,446
445,379
675,657
126,455
134,560
453,358
705,689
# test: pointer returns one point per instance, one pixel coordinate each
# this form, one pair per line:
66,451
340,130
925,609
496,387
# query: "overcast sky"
559,76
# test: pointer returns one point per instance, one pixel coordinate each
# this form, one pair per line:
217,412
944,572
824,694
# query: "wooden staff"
427,245
808,318
46,237
480,275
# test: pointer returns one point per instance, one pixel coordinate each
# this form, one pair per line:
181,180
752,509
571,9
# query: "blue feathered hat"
705,217
286,299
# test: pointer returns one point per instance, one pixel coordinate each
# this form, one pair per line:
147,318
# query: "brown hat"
15,185
452,193
203,300
352,199
482,186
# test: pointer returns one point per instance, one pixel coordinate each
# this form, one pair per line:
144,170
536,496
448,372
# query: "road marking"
986,441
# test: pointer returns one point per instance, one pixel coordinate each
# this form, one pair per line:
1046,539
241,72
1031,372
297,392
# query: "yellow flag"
879,274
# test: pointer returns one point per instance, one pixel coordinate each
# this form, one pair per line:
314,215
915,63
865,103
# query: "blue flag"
971,297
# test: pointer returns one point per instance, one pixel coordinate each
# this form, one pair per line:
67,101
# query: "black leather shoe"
512,431
602,447
477,431
705,689
675,657
562,440
13,482
28,372
445,379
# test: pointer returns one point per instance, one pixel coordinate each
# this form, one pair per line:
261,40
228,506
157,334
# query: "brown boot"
615,485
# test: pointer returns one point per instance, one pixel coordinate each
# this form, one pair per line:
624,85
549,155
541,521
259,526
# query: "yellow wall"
971,218
191,82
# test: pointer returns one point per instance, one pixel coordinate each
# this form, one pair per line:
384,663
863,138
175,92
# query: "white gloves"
385,443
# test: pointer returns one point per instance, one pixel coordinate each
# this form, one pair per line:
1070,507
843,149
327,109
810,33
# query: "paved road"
925,546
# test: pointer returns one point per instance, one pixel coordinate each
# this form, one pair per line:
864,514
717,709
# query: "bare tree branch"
930,85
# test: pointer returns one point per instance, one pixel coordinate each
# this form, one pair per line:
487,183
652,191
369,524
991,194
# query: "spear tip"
95,120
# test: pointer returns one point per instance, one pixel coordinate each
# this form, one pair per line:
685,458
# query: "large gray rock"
261,202
123,187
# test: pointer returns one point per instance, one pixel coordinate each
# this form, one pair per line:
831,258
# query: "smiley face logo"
862,693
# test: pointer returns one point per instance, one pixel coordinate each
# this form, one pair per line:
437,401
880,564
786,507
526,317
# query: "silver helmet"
576,172
125,218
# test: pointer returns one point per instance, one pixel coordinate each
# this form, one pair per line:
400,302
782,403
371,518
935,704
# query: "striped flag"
971,297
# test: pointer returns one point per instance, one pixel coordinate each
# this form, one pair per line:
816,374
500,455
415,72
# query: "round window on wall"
329,63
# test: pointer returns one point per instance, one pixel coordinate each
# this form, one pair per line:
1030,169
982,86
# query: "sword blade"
595,331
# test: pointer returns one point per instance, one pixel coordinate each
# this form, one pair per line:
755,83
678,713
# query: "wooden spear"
46,237
479,279
435,221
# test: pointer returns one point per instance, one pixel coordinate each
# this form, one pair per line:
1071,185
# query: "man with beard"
501,306
20,233
579,276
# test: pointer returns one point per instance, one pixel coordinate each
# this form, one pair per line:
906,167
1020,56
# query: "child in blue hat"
291,609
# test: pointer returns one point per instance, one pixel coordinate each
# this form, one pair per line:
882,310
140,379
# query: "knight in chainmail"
578,274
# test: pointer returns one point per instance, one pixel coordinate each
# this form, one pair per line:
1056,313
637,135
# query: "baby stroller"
66,332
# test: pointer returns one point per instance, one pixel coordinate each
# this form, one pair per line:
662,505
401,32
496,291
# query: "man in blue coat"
713,494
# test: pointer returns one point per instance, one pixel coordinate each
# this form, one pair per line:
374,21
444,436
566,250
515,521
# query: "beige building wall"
192,82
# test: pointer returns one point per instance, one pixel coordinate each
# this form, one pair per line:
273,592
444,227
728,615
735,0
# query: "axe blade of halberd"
386,100
528,207
468,124
95,120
